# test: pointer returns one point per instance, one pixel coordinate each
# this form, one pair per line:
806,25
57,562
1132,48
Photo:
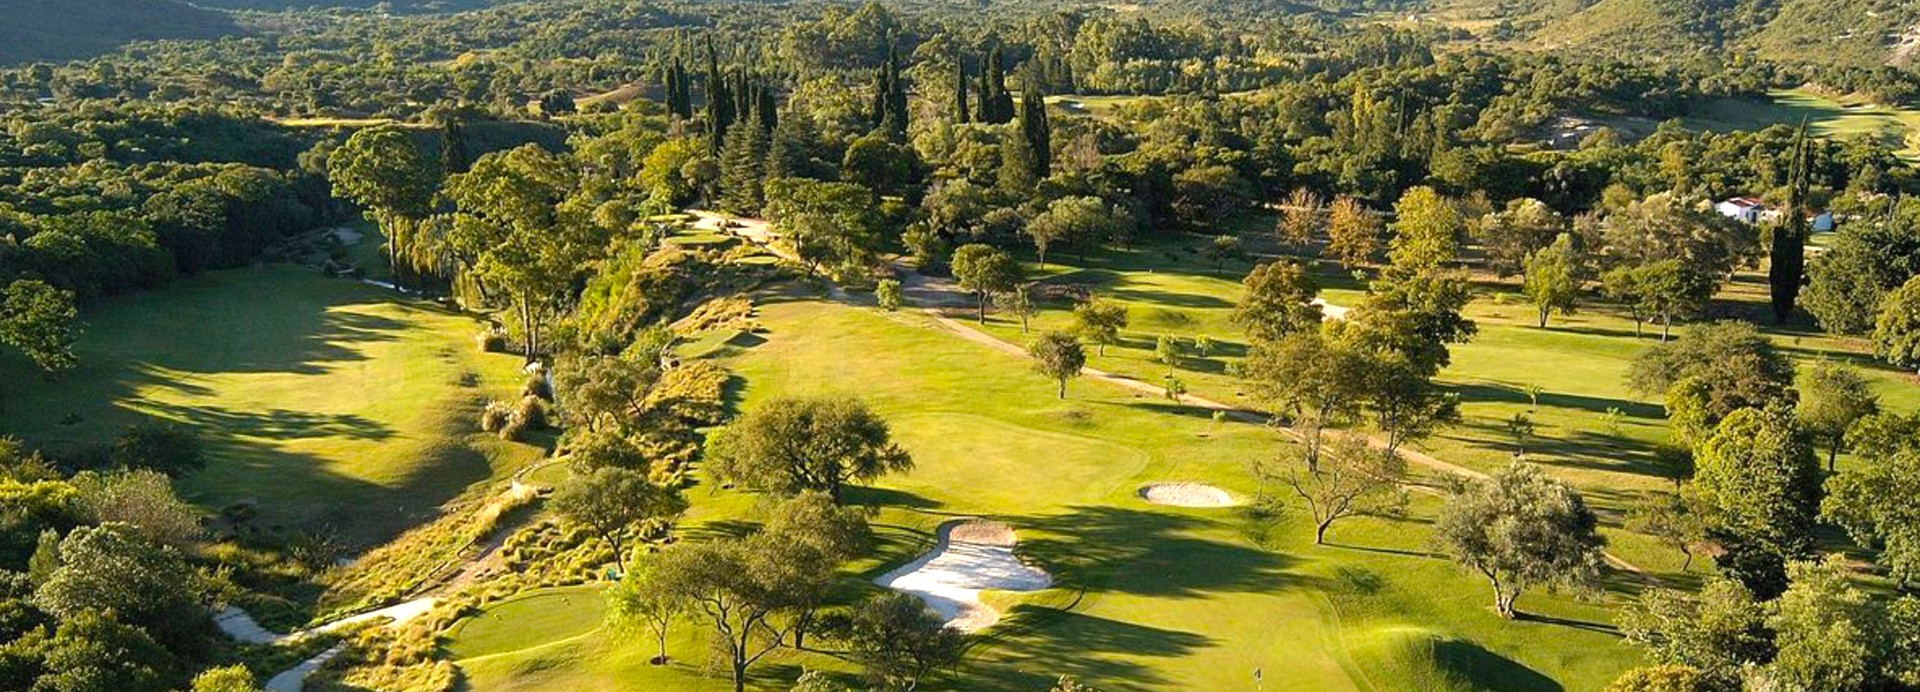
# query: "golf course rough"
972,556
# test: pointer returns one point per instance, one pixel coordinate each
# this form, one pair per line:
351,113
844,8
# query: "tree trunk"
1320,531
1063,387
1666,327
1688,562
1833,453
1543,317
983,307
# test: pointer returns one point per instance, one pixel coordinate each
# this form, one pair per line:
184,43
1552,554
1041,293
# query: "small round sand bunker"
972,556
1187,495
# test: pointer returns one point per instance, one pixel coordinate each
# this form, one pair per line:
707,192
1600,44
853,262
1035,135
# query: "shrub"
531,413
537,387
170,449
491,341
495,416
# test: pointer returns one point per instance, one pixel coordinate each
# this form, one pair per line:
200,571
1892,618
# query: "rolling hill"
1861,33
59,30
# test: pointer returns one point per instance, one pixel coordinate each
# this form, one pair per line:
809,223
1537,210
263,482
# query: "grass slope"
324,401
1828,117
60,30
1147,597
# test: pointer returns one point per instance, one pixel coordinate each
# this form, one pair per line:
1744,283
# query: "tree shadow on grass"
1502,392
1034,645
1149,553
1486,670
276,424
1601,627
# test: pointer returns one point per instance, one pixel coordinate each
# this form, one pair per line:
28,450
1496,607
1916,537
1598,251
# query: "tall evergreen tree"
794,151
455,158
719,102
743,162
960,94
1002,99
1788,259
1016,173
1039,134
679,96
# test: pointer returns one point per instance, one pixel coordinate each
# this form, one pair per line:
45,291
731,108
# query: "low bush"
495,416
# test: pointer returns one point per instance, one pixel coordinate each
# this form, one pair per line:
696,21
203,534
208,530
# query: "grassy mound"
1407,657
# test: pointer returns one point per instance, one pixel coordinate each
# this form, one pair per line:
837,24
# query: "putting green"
530,619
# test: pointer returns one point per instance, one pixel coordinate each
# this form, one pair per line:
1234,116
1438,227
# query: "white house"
1745,209
1751,210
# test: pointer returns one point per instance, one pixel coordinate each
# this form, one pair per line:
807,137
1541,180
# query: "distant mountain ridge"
60,30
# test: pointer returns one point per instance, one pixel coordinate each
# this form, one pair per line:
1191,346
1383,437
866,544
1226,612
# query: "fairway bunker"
973,555
1186,495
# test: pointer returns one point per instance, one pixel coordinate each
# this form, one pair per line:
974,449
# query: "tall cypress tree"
679,95
1015,176
719,102
877,110
896,93
983,106
454,155
1788,258
999,106
960,90
1039,133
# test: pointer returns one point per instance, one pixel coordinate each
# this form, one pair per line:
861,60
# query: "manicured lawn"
1578,364
1827,117
328,403
1147,597
540,616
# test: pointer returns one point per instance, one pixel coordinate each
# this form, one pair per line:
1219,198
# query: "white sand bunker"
1186,495
973,555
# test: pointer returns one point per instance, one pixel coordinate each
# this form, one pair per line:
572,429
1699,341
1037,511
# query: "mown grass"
1825,115
328,404
1578,365
1147,597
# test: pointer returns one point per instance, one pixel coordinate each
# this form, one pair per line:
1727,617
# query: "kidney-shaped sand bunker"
973,555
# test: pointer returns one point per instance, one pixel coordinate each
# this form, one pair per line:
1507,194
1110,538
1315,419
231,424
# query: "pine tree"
794,149
960,115
743,169
1788,259
1039,134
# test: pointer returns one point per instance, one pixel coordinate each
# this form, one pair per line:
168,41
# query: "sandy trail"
972,556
